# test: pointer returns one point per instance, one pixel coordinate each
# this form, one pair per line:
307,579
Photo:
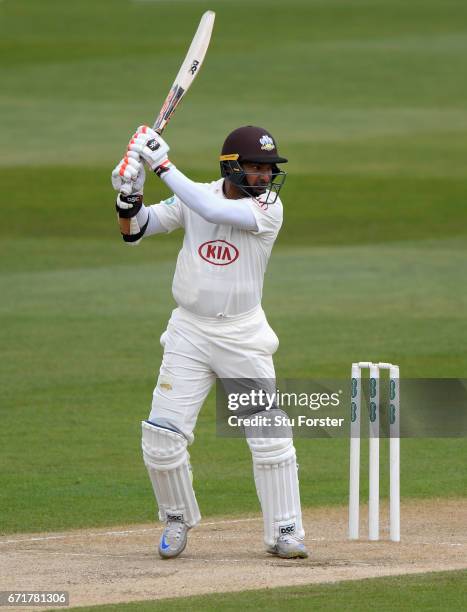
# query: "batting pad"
276,479
167,461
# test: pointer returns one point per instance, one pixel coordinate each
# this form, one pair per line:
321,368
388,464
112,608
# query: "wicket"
394,450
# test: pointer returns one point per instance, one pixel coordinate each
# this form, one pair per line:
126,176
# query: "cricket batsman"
219,328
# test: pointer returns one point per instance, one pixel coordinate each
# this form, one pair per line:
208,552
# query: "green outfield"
382,594
367,99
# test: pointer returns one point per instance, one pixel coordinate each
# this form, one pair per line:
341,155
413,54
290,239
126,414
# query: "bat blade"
188,70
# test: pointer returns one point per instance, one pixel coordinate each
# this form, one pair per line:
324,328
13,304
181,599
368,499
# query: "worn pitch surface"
118,565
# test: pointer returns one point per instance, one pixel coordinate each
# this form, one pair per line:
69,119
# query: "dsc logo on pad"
218,252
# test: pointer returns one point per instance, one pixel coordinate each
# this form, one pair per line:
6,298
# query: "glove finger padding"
129,175
141,130
150,146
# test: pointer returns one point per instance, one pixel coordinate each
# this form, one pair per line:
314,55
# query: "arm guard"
132,223
137,221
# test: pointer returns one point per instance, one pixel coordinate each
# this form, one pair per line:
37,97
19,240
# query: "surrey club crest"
267,143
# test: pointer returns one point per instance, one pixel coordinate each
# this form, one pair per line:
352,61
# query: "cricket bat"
185,77
188,70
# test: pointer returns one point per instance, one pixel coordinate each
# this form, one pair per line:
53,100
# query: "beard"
256,190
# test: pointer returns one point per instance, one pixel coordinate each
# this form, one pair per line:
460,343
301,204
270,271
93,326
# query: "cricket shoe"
174,537
288,547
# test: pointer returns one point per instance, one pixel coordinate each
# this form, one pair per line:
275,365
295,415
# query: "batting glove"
152,148
128,176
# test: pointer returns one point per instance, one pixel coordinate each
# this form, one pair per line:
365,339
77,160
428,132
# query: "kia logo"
218,252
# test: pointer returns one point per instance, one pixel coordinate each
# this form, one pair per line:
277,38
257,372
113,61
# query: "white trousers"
199,349
196,351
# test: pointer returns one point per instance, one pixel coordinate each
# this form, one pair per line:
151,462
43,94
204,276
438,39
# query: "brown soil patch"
121,564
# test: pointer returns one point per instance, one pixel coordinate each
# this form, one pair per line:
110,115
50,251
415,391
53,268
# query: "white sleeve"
268,218
161,218
213,209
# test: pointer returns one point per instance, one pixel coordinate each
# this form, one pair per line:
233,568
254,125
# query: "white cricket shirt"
220,269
